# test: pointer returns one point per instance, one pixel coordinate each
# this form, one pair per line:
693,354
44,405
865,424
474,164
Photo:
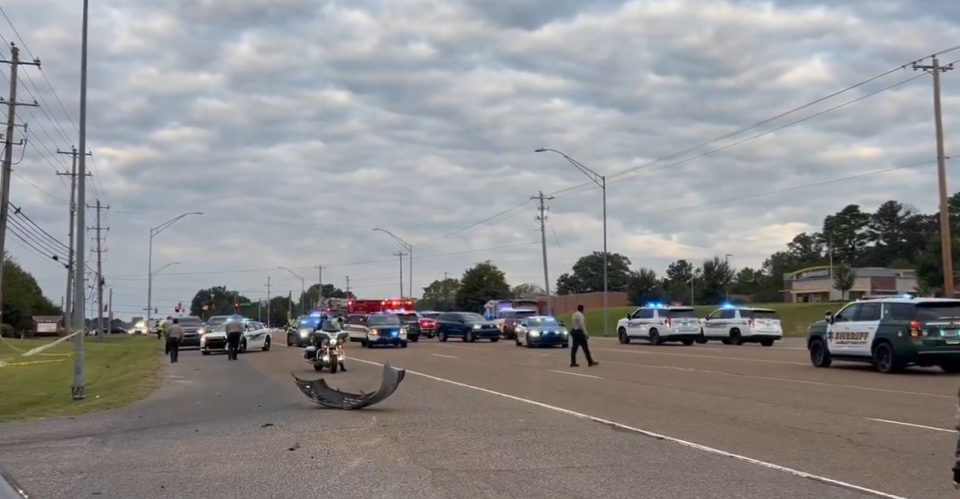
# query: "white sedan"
255,336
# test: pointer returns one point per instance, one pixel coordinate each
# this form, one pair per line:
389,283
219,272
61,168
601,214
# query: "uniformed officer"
578,335
234,330
174,333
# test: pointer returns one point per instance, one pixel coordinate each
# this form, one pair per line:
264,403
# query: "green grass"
796,317
118,371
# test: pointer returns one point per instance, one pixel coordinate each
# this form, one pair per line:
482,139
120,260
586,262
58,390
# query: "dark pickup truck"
466,325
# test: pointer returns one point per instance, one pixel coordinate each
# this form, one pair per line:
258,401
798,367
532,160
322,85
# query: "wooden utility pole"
401,255
12,106
946,241
268,300
71,264
542,220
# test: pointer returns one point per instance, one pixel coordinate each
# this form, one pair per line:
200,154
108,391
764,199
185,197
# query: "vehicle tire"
363,343
736,338
317,367
687,342
885,359
443,336
469,337
951,368
702,339
202,352
565,345
243,347
725,341
526,339
819,355
622,336
266,344
415,339
494,340
403,344
368,344
517,341
290,341
655,338
334,364
766,343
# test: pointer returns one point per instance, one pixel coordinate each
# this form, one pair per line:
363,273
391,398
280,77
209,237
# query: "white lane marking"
748,376
444,356
685,443
576,374
934,428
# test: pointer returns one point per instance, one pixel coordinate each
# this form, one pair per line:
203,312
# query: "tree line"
895,235
22,299
220,300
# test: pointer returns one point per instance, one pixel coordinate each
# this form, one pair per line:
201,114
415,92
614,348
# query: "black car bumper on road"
386,341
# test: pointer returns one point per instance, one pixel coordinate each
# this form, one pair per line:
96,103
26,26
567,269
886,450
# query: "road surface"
497,421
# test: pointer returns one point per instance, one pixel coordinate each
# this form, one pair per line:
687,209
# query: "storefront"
815,284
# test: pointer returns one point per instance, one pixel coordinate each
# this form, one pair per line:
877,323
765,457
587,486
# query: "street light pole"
601,182
153,233
407,246
303,289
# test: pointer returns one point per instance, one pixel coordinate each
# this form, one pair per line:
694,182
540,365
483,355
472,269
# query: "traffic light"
179,308
236,307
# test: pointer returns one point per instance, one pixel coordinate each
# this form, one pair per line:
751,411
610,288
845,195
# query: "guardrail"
10,490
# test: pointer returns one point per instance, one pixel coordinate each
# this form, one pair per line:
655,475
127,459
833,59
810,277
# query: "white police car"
736,325
659,323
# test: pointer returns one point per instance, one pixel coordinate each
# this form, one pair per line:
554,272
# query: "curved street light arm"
403,243
162,227
595,177
298,276
155,272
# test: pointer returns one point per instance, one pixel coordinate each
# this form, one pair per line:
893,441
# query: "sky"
298,126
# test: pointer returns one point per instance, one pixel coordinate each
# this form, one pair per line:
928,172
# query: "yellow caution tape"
21,364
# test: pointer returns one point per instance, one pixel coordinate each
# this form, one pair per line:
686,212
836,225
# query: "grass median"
118,371
795,317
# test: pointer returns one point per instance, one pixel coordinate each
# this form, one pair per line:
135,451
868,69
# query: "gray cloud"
296,127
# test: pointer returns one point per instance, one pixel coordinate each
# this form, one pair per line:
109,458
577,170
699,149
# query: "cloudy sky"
297,126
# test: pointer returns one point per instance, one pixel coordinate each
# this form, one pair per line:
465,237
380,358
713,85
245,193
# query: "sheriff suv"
734,325
658,323
890,333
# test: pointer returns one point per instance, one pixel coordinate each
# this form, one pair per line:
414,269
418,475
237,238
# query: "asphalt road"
497,421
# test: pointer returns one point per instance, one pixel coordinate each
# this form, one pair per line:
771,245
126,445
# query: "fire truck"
378,306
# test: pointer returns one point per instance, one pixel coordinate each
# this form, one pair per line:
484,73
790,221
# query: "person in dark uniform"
234,330
174,332
578,335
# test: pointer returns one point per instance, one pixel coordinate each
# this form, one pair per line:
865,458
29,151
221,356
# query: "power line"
349,264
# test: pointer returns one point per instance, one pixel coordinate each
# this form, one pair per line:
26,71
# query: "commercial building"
815,284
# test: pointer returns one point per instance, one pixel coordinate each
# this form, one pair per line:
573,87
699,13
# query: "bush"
6,331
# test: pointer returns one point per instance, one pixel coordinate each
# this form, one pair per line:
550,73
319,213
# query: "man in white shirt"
578,333
234,330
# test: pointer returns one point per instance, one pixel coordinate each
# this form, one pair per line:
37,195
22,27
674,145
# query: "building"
815,284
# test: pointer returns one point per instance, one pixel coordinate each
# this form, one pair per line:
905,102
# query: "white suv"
658,324
738,325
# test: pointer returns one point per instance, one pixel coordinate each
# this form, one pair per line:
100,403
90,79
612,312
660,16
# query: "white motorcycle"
326,350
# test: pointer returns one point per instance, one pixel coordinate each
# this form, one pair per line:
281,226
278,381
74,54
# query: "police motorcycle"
326,347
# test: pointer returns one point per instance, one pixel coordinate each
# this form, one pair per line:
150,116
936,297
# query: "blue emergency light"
727,305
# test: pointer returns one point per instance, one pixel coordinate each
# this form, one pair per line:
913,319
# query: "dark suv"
411,322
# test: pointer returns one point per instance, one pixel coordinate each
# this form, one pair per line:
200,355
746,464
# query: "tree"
22,297
587,274
643,287
717,276
747,282
845,233
480,284
440,295
527,289
219,301
329,291
843,278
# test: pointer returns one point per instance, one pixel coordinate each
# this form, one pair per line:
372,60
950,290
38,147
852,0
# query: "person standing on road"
578,333
174,337
234,330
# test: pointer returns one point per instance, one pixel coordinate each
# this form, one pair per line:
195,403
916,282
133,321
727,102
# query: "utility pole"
348,287
110,305
290,302
444,276
78,389
946,244
268,300
401,255
71,265
542,219
12,105
320,285
98,240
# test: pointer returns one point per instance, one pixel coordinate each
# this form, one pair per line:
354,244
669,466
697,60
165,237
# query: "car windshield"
383,320
938,311
219,328
217,320
473,318
545,322
407,317
309,322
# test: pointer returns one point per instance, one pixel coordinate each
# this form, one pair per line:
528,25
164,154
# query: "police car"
658,323
890,333
734,325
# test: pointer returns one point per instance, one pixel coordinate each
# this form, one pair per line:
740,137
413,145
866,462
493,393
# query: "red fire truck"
378,306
